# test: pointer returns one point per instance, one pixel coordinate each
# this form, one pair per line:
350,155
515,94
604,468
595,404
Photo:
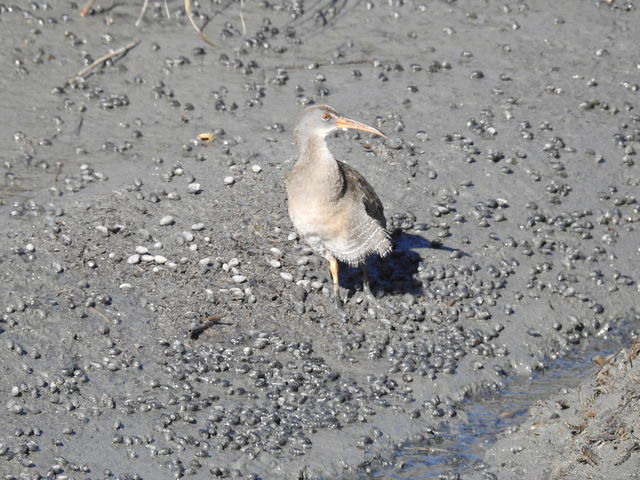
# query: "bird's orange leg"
333,268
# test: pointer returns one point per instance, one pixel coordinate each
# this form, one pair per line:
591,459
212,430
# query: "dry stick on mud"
327,64
100,314
244,27
601,365
187,7
87,8
101,60
145,5
195,332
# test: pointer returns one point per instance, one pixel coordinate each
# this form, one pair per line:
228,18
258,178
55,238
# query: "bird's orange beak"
344,122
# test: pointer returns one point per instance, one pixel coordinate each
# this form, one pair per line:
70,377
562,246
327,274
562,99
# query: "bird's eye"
325,117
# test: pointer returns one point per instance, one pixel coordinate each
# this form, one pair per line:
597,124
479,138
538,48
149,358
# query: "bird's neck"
318,164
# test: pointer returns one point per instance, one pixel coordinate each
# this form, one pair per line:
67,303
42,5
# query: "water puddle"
460,447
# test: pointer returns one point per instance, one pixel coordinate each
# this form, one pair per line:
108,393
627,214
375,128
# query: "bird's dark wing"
357,187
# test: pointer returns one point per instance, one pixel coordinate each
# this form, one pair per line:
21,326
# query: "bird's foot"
369,297
372,301
337,302
339,308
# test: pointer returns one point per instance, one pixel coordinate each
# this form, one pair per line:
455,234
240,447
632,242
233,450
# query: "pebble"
229,180
239,278
197,226
133,259
125,286
142,250
275,263
286,276
194,188
103,230
256,168
422,136
236,292
166,220
160,259
147,258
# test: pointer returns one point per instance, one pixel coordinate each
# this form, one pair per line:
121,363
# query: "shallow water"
459,448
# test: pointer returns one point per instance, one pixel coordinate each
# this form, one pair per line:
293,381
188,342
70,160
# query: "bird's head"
320,120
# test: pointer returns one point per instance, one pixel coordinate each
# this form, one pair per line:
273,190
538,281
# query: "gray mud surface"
510,179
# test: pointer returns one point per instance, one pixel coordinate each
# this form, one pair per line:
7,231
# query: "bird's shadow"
397,272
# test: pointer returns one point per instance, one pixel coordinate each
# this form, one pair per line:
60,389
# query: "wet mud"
161,319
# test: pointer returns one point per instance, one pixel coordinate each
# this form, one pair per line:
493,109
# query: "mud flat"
160,318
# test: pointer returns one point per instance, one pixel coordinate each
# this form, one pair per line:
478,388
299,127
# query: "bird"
331,205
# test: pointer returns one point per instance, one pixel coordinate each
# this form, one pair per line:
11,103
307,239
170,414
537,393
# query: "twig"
101,60
166,9
145,5
195,332
100,314
627,454
600,367
326,64
629,400
87,8
244,27
588,456
187,7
